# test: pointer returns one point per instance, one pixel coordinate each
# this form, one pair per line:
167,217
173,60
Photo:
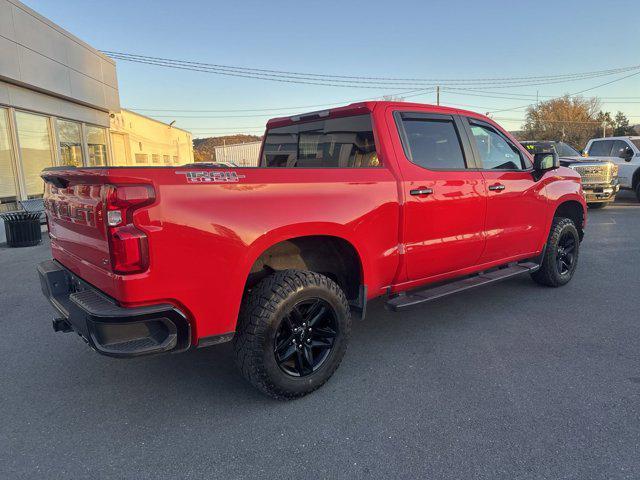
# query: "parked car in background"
599,177
625,153
408,201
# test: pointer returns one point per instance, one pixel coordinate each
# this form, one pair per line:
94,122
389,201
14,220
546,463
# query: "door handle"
421,191
497,187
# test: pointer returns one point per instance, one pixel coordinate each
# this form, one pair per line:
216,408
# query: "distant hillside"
204,148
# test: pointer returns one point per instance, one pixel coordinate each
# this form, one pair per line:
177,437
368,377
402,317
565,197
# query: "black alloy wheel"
559,260
292,333
305,337
565,252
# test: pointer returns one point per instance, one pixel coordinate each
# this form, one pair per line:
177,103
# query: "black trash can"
22,228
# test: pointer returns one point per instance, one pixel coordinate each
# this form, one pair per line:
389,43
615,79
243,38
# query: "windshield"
636,142
565,150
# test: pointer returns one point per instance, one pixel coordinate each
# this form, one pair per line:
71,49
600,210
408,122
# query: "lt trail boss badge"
216,177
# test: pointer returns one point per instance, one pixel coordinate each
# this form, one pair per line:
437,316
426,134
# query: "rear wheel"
638,191
292,333
560,257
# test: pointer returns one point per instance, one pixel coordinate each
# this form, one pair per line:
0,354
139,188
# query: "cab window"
432,143
600,148
619,147
496,152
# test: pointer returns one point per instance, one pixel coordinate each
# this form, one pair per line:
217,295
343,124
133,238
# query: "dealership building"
59,105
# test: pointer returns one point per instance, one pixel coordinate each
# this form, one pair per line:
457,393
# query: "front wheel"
292,333
638,191
560,257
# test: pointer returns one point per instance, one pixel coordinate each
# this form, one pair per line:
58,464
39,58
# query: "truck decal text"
206,176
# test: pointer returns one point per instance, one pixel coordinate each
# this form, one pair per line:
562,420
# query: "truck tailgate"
75,213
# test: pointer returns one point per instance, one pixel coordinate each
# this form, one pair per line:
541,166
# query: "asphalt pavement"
509,381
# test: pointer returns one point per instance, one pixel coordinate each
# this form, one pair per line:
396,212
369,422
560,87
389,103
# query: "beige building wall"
138,140
37,54
56,93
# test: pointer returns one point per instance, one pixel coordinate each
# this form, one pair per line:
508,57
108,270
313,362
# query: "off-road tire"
598,205
548,274
264,307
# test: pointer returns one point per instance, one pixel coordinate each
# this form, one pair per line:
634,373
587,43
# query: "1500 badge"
206,177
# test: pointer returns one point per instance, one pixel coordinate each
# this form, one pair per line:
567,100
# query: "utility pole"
604,129
438,95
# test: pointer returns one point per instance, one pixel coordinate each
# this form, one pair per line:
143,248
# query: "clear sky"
423,39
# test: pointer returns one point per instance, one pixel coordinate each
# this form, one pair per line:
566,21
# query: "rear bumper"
107,327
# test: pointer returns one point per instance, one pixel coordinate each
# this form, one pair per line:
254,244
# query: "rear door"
516,204
444,196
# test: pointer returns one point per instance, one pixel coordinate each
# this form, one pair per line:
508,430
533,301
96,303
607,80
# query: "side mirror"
627,154
545,161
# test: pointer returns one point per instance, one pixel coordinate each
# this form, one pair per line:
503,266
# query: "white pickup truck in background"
624,152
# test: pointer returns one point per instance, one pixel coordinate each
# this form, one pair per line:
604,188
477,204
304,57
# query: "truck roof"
360,108
625,137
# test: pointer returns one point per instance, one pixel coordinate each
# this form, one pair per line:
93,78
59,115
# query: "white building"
241,154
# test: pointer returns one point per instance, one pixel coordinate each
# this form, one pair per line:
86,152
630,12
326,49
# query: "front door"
516,203
627,164
445,201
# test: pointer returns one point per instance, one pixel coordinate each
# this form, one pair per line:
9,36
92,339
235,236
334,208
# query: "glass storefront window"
97,146
8,190
35,150
70,140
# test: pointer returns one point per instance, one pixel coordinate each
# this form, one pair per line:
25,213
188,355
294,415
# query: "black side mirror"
545,161
627,154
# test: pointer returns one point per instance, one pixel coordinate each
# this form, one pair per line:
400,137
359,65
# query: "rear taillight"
128,245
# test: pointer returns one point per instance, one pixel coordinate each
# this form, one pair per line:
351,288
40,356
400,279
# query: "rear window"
600,148
345,142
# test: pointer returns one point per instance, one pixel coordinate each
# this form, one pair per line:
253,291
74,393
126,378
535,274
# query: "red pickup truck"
408,201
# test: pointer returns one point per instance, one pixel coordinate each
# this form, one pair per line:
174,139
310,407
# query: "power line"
357,81
353,77
516,96
572,94
410,93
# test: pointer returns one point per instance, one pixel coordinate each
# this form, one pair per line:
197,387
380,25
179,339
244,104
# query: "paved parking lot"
509,381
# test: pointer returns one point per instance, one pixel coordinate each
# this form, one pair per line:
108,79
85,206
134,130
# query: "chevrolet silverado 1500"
407,201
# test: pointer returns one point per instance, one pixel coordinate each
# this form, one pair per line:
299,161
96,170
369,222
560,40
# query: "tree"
573,120
621,126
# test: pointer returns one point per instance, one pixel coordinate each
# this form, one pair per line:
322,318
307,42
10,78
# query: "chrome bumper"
600,193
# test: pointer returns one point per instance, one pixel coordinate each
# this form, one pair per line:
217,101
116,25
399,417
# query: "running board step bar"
416,297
